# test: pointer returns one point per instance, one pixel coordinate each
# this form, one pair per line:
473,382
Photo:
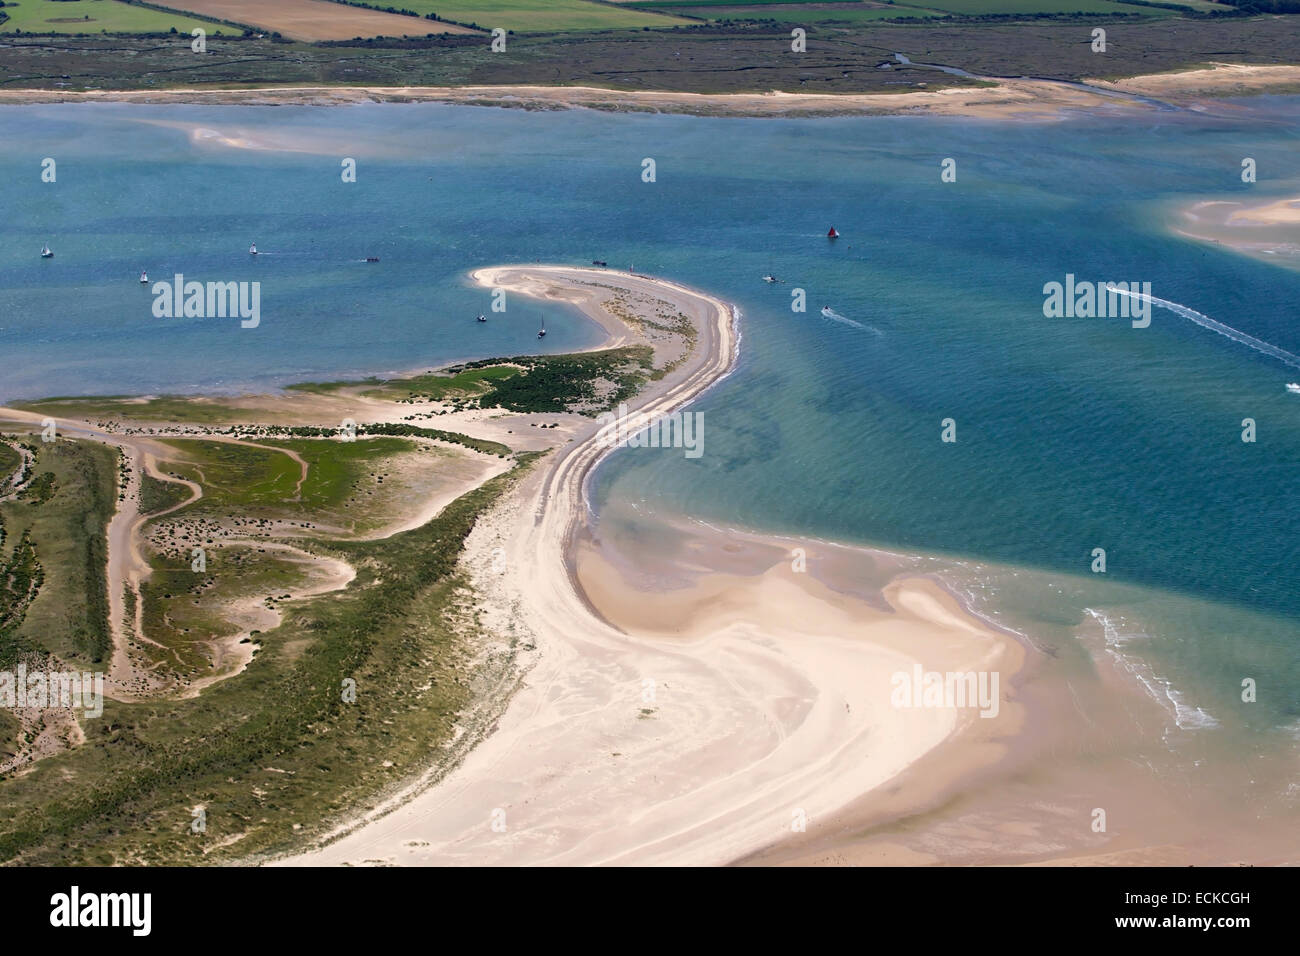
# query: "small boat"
826,311
541,333
46,253
144,277
252,250
832,234
599,262
1293,386
372,258
770,278
482,318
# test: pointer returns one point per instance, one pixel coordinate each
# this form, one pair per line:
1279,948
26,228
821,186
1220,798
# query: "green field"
535,16
98,16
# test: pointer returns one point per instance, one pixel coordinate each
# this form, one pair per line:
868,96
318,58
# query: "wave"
1186,716
1205,322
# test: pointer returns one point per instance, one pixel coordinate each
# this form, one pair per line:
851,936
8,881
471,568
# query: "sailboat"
832,234
45,251
252,250
144,277
541,333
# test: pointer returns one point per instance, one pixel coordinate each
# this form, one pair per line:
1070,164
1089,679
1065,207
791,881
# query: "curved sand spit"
626,746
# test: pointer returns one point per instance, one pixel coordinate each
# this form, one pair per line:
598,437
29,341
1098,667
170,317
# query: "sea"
1071,435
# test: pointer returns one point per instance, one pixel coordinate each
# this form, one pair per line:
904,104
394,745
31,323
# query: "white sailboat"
45,251
144,277
252,250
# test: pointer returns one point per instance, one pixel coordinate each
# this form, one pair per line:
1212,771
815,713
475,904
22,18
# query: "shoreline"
999,97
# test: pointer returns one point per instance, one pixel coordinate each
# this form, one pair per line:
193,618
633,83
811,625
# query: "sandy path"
773,706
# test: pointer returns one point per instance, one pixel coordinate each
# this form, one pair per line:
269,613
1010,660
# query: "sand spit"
763,706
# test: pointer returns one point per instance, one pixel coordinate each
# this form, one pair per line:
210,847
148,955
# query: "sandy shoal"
1265,229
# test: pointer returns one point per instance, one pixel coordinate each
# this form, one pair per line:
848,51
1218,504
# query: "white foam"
1186,716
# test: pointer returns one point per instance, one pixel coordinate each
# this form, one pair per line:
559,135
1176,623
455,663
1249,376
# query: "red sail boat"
832,234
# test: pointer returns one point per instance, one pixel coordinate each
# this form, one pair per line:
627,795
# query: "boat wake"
845,320
1205,322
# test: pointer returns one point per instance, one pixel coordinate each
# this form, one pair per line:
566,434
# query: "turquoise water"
1072,433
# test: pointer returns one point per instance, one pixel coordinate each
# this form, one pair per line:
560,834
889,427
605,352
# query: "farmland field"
96,16
318,19
536,16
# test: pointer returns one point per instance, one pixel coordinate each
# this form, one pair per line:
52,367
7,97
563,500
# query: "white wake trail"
836,317
1259,345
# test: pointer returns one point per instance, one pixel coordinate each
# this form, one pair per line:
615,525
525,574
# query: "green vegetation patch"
440,386
156,496
237,477
587,382
166,408
10,462
64,515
